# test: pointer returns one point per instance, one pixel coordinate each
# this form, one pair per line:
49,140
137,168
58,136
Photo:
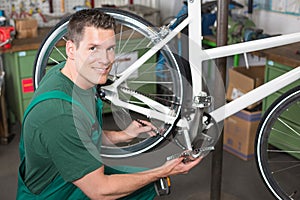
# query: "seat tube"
195,44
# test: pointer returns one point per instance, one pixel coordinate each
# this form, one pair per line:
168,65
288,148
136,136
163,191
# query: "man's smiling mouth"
102,70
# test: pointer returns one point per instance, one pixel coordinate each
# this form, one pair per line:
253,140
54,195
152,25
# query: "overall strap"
99,106
55,94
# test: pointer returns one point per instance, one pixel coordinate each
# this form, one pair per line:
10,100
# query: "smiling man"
61,135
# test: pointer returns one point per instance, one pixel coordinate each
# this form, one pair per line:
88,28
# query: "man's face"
94,56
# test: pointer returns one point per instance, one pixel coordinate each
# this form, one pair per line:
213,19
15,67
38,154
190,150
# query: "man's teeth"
100,69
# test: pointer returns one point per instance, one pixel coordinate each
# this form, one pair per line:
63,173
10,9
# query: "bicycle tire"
174,74
278,146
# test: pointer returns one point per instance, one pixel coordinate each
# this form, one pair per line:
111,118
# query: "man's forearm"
120,185
97,185
114,137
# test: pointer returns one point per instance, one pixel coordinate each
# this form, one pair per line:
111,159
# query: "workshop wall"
48,16
263,18
38,9
266,20
268,14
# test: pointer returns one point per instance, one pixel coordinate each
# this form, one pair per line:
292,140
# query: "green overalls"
60,189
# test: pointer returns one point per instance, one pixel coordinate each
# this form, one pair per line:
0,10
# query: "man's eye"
111,49
93,48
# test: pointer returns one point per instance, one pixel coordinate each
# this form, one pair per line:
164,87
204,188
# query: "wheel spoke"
289,127
126,42
282,151
120,38
53,60
285,169
138,46
59,51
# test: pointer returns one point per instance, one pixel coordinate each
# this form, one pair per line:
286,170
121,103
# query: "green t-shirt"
57,135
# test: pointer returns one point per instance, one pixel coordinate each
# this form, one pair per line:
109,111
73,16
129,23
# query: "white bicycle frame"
197,56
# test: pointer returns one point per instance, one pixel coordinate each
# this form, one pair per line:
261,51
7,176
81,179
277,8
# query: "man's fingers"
146,123
147,127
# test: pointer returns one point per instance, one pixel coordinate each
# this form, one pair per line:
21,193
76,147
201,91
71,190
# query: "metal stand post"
217,155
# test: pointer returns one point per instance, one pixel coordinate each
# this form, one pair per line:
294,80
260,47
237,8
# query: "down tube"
256,95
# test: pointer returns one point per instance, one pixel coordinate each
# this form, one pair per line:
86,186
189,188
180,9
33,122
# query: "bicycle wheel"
278,146
162,82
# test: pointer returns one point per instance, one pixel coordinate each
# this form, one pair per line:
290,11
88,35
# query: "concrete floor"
240,179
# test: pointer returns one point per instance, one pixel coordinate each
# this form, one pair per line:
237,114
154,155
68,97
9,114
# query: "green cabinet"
19,84
18,68
287,140
272,71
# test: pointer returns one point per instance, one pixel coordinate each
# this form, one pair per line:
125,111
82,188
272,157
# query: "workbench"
279,60
288,55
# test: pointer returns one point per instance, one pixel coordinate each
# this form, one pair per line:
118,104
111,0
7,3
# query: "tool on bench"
5,35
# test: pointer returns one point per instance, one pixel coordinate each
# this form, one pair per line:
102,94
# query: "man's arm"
97,185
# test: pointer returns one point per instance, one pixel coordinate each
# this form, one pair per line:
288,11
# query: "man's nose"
102,56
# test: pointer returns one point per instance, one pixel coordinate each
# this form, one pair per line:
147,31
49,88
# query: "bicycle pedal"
190,155
163,186
174,156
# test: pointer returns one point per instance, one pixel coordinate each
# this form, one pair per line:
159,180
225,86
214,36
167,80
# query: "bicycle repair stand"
217,155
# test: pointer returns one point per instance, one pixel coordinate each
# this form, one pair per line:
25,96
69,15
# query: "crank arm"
190,155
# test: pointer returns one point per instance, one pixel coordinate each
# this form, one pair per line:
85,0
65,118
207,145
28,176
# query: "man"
59,148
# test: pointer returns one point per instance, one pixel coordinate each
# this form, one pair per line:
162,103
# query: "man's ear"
70,49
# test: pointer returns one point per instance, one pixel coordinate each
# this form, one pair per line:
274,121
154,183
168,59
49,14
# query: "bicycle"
184,109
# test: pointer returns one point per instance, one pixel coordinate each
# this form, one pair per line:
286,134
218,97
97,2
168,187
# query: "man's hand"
139,126
177,166
135,128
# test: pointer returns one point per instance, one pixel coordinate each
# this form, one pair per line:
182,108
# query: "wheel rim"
174,79
278,149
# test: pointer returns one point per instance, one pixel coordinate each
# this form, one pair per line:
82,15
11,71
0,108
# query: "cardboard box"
26,28
243,80
240,132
